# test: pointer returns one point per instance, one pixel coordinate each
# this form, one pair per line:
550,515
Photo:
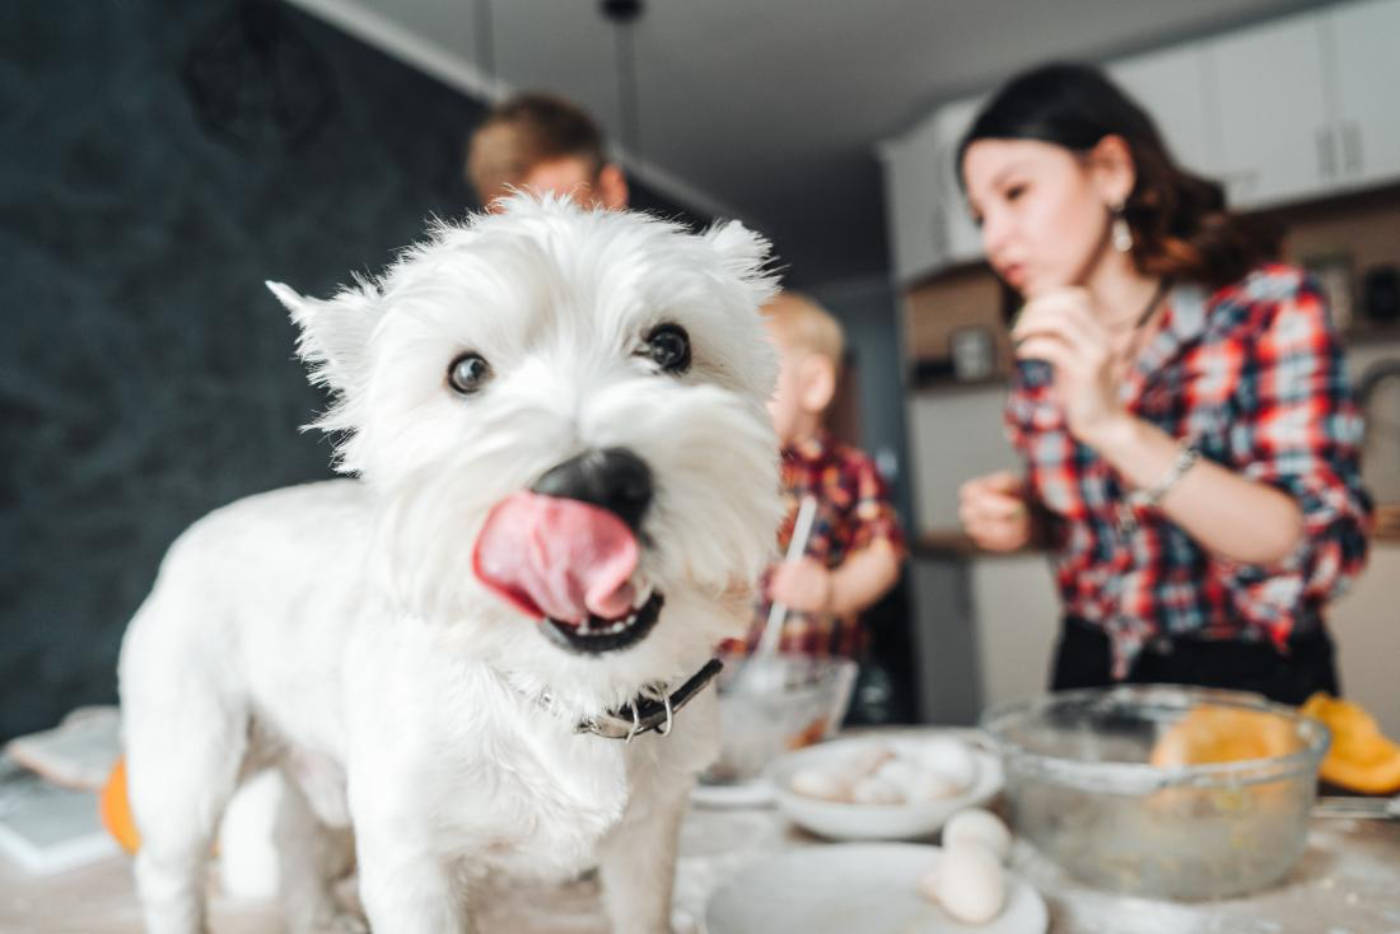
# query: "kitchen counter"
1348,881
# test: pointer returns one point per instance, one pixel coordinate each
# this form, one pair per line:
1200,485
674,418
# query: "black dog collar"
645,712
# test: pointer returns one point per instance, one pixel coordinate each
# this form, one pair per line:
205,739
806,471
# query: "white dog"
566,486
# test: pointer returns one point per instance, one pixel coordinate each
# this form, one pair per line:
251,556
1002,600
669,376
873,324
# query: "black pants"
1084,660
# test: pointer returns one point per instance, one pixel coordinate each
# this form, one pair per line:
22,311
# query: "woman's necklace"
1131,347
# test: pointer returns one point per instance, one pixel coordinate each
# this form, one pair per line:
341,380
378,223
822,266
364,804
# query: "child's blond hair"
802,324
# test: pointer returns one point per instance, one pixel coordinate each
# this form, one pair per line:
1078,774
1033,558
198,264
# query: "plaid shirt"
853,512
1253,376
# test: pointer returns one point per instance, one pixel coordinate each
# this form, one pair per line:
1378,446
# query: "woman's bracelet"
1185,459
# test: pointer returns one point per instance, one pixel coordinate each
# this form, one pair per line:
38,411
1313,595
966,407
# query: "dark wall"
161,160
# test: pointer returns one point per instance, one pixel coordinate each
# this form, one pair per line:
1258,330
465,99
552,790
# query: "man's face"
574,177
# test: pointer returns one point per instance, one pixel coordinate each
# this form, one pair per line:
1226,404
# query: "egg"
970,884
900,773
975,826
876,790
825,784
951,759
930,786
868,761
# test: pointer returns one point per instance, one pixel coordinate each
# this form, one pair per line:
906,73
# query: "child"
540,144
853,555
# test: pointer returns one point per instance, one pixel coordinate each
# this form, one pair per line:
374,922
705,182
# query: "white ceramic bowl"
840,821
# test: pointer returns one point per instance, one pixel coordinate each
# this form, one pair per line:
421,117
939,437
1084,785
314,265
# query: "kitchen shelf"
955,543
1371,334
923,378
1387,528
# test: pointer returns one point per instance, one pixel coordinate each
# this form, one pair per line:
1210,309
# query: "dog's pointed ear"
743,250
745,253
334,333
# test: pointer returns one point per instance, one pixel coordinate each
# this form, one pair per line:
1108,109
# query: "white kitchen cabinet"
1276,142
962,237
1364,627
1307,106
1017,609
1173,86
1295,109
912,211
954,435
929,223
1363,42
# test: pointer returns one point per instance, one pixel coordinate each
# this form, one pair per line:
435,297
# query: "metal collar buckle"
653,709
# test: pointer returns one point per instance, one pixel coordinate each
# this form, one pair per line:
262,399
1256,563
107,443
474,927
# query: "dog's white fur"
336,632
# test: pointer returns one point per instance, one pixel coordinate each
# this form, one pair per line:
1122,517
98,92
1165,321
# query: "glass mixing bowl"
1083,787
771,706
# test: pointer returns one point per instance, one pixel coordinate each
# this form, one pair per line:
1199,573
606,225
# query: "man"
543,144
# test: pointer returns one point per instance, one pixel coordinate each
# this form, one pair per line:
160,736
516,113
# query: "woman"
1181,404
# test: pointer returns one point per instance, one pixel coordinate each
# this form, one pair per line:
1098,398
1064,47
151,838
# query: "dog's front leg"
407,890
637,863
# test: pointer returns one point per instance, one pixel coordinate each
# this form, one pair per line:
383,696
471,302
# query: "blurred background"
162,159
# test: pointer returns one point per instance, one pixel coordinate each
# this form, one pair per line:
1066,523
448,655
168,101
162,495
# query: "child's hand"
804,586
993,511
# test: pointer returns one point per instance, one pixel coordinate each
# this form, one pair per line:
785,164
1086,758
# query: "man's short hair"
524,132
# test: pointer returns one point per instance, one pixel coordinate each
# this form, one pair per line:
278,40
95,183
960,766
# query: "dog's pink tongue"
556,557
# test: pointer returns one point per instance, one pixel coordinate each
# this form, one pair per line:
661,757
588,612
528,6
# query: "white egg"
930,786
876,790
928,882
970,884
950,758
900,773
868,760
981,828
826,784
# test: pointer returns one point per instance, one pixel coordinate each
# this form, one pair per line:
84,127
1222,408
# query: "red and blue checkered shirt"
853,512
1253,377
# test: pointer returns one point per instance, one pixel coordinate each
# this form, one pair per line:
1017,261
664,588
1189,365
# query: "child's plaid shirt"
853,512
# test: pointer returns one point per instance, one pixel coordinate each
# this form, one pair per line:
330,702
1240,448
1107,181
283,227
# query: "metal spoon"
1357,808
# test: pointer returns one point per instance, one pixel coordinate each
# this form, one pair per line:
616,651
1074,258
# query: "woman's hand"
993,511
804,586
1060,327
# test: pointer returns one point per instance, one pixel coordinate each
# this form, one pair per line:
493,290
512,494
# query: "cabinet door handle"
1351,147
1326,152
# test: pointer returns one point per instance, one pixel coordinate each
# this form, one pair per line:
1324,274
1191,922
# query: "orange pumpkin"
1210,734
1361,758
116,810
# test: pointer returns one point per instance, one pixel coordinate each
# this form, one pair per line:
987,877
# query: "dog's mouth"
596,635
570,565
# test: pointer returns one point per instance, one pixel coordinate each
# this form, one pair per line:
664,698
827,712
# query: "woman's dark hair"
1180,223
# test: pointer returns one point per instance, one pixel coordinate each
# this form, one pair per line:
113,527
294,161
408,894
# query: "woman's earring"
1122,234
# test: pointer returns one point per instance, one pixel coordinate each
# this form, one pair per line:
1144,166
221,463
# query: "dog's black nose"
613,478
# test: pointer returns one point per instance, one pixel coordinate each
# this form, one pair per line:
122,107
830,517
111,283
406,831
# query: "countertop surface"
1348,882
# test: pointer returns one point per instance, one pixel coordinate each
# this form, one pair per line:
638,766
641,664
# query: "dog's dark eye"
468,373
668,345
